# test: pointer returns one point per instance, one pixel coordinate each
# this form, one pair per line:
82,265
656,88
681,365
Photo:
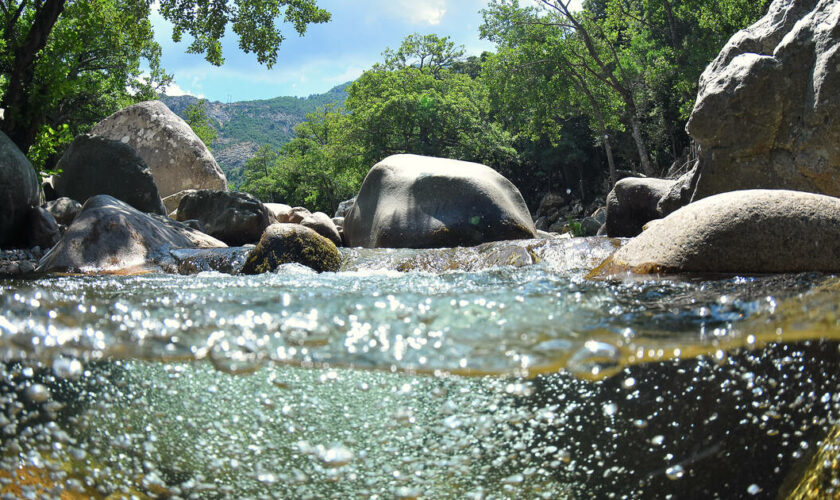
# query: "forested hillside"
243,127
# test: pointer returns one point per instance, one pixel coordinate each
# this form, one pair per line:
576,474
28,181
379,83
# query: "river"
421,373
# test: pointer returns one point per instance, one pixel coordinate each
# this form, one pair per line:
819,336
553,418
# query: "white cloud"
429,12
174,90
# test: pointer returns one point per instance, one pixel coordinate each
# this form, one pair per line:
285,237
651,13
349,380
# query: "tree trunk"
636,128
672,24
21,122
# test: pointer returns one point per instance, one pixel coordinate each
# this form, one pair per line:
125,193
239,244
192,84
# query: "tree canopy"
74,62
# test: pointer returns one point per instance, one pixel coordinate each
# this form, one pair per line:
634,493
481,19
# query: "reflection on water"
452,380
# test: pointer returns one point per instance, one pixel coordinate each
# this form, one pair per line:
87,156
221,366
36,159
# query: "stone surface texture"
283,243
112,236
18,191
233,217
94,165
768,109
751,231
176,156
409,201
633,202
63,209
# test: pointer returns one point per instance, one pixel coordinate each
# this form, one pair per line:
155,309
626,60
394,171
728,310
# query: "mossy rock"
292,243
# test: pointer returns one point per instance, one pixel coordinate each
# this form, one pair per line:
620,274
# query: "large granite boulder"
97,165
409,201
177,157
18,191
767,110
292,243
233,217
633,202
110,236
752,231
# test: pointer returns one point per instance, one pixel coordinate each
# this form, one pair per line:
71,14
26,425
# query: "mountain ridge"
242,127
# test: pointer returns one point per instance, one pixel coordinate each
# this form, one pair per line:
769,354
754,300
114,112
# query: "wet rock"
292,243
766,112
63,209
413,201
589,226
632,202
18,191
233,217
176,156
41,228
344,207
752,231
110,236
97,165
223,260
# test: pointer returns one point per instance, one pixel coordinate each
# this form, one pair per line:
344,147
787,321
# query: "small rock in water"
37,393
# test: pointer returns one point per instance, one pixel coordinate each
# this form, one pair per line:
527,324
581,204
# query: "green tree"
197,118
81,59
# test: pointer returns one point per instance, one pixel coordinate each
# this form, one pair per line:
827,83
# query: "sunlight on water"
344,385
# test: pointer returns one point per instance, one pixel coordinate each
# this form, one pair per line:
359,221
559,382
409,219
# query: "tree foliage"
196,117
74,62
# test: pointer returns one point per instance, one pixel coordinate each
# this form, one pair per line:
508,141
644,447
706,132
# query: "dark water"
421,374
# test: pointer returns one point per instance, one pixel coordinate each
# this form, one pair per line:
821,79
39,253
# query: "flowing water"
496,372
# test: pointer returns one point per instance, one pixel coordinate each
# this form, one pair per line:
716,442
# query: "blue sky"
329,54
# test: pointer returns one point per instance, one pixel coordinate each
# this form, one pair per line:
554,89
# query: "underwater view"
499,371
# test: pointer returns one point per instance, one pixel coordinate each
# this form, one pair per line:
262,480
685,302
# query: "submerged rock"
292,243
223,260
110,235
233,217
409,201
18,191
767,110
176,156
752,231
98,165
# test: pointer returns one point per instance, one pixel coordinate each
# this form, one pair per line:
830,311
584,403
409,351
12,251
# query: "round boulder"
752,231
323,225
97,165
633,202
409,201
233,217
63,209
292,243
177,157
18,191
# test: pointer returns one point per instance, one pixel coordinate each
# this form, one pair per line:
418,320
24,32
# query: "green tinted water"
451,380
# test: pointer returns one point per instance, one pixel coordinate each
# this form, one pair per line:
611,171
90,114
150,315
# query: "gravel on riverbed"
19,261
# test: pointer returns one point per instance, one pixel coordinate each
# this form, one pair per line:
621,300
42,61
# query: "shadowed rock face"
767,110
409,201
110,235
18,191
98,165
752,231
235,218
176,156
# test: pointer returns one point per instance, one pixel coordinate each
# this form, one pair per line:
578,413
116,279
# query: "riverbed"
457,373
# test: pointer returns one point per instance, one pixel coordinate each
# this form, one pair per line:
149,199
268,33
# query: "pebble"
19,261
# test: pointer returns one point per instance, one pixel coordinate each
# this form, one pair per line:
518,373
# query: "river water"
493,372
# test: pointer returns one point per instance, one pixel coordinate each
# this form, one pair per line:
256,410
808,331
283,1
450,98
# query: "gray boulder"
18,191
411,201
97,165
233,217
176,156
172,201
292,243
752,231
111,236
633,202
766,112
280,211
323,225
344,207
63,209
41,228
